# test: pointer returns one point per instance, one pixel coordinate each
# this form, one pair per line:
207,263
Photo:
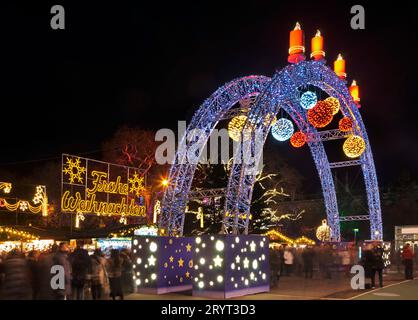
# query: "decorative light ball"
345,124
298,139
321,115
236,128
282,130
308,100
334,103
354,146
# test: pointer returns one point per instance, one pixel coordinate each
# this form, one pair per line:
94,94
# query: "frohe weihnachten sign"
101,188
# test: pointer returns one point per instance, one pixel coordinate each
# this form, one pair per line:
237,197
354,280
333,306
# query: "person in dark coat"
81,267
16,285
378,265
45,263
32,260
61,258
368,263
308,257
114,271
408,261
274,267
127,271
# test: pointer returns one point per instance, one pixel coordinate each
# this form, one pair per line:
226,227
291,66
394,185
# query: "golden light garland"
345,124
334,104
298,139
321,115
21,205
354,146
305,240
17,233
273,235
236,128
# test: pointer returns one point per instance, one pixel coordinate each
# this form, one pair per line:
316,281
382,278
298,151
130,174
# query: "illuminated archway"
282,91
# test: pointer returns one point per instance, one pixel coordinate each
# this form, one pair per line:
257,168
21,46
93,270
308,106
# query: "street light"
164,182
355,234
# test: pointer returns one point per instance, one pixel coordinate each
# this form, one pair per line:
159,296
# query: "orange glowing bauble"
334,104
298,139
321,115
317,46
339,67
345,124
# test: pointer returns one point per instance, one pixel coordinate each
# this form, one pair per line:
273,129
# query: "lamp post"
355,235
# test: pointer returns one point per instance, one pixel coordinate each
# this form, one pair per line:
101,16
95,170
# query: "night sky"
149,66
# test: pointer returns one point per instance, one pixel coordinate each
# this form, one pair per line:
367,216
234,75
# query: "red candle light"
296,44
339,67
355,92
317,46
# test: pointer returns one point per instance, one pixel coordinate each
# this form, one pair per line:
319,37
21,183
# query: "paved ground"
298,288
405,290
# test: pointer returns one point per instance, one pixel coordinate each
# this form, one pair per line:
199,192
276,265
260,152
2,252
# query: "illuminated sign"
101,188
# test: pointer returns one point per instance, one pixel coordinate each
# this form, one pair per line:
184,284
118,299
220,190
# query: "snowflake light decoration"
74,170
136,184
23,206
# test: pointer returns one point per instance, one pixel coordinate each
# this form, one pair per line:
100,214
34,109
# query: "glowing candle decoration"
308,100
317,46
339,67
354,146
282,130
355,92
296,45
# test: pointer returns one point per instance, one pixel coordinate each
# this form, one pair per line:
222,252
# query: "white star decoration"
218,261
151,260
237,259
252,246
246,263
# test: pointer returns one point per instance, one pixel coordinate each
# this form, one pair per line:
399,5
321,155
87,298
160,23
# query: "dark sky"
150,65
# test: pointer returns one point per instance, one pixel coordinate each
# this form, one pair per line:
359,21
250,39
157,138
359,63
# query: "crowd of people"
29,276
323,260
327,261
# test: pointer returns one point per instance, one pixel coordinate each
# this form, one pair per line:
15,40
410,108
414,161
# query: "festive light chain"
279,235
15,232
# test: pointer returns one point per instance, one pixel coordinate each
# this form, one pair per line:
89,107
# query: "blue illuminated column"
162,264
228,266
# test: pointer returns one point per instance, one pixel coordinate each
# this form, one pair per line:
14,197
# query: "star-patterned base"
162,264
229,266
